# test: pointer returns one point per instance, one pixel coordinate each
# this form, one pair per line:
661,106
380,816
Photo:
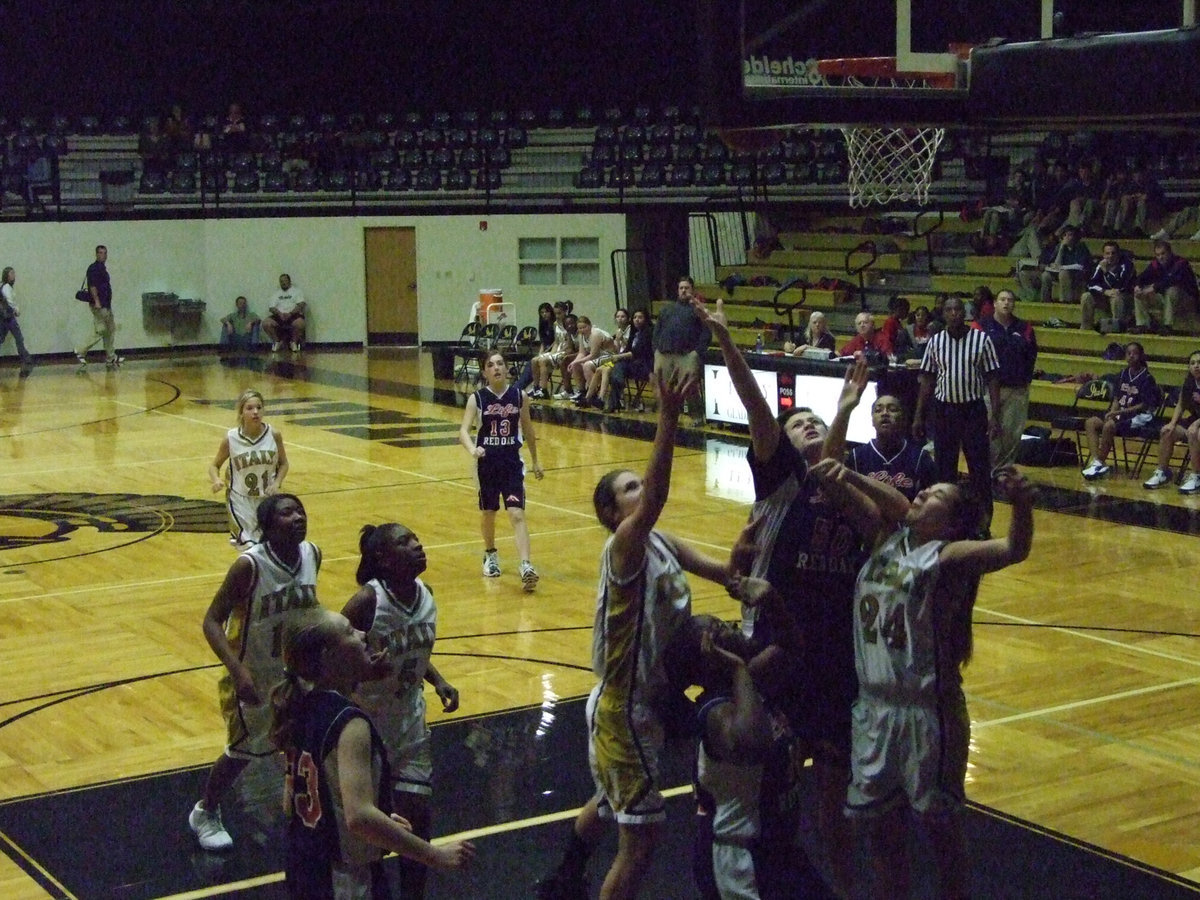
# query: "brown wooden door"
391,269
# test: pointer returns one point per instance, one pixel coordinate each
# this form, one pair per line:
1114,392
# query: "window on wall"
553,261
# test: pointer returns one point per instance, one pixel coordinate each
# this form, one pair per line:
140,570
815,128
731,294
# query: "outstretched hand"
827,471
1015,486
672,392
855,382
714,317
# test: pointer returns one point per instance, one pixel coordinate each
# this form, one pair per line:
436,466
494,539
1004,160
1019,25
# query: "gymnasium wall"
215,260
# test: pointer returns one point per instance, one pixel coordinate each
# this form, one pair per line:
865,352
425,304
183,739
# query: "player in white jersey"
643,599
396,611
268,587
912,634
257,466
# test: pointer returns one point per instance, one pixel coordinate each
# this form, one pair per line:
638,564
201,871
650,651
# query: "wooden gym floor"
1084,690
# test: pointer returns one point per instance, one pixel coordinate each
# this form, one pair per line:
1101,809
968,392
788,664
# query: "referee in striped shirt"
959,369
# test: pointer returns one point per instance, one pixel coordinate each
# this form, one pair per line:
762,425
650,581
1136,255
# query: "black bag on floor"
1038,449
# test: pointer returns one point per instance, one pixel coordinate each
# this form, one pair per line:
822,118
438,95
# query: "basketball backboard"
874,48
833,61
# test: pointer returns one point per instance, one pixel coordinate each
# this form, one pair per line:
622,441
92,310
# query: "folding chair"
1091,398
467,349
1147,436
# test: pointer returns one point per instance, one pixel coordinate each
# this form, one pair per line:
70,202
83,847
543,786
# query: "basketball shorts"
243,517
501,478
907,753
247,728
623,748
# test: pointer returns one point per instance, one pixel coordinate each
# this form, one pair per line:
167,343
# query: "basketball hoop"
888,164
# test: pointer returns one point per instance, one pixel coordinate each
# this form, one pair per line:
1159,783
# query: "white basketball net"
889,164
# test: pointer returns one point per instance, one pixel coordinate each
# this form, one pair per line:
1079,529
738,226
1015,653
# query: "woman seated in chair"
1183,426
637,362
599,370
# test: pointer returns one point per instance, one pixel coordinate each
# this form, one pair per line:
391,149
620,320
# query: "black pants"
964,426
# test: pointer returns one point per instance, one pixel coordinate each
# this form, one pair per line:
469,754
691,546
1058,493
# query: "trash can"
443,360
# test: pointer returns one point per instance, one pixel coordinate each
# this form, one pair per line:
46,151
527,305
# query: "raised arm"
740,731
629,543
841,486
853,386
981,557
764,431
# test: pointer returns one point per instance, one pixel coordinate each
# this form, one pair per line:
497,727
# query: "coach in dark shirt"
679,339
958,370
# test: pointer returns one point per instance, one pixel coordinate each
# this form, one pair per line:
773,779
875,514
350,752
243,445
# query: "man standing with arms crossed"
100,287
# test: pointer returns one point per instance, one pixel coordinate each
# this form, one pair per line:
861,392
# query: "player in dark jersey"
337,782
892,456
501,413
809,552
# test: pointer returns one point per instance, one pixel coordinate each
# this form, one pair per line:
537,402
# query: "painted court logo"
36,522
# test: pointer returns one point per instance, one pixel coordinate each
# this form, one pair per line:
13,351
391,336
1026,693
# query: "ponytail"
303,644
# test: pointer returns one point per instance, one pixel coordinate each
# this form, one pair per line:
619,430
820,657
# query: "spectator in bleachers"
893,335
234,135
239,329
1079,196
1016,349
1167,283
816,336
919,326
867,339
1033,251
1068,268
1110,286
1185,220
1003,221
178,131
1184,425
154,148
983,302
1139,199
1133,405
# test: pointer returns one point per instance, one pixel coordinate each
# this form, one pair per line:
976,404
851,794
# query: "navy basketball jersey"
909,470
317,837
499,421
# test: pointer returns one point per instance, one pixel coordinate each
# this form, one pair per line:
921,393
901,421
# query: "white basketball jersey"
252,463
396,704
280,595
629,638
896,633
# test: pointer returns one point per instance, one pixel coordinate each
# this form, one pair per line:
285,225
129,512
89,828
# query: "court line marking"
217,890
37,869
